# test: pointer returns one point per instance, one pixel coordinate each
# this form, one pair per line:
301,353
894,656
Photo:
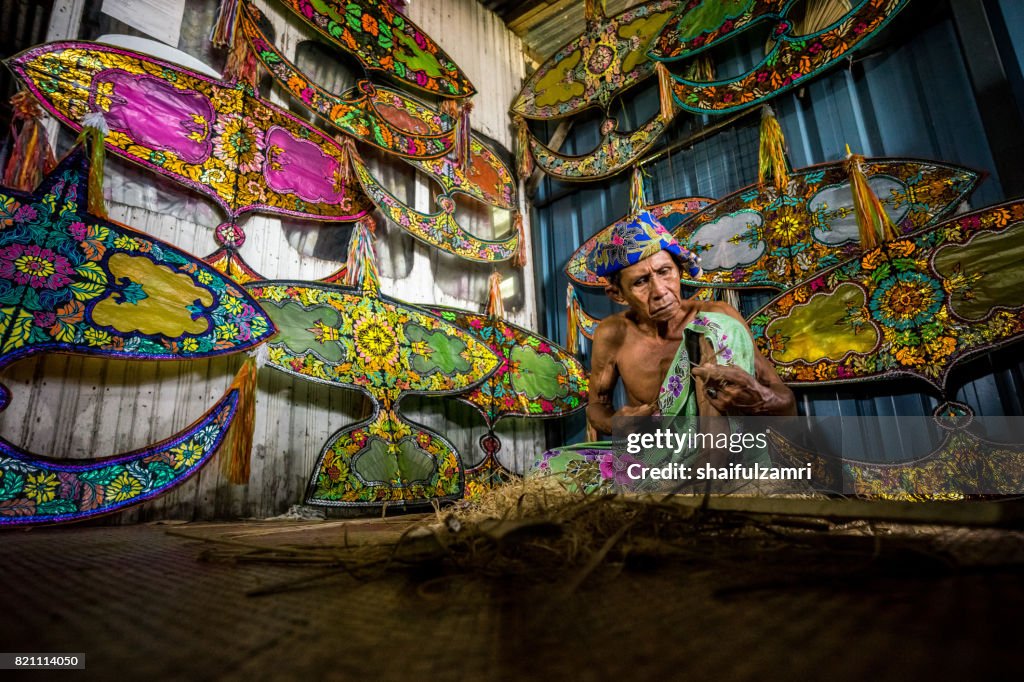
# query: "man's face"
651,288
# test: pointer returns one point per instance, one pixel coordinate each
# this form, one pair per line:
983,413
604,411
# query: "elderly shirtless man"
641,345
675,356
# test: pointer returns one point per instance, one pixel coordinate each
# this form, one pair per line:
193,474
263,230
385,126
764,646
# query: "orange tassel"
572,327
524,159
495,304
593,10
771,157
520,258
236,449
668,103
242,65
873,222
31,155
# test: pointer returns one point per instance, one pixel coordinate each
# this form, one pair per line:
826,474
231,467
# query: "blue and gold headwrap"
635,239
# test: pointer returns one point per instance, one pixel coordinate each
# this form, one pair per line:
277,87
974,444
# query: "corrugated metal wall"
77,407
909,94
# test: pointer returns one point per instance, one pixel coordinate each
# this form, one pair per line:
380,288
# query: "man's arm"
608,338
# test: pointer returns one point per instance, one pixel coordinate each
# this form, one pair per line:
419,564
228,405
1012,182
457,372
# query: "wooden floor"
148,602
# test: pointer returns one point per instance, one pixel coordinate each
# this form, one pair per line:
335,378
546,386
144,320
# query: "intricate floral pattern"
915,306
701,24
72,282
791,62
616,152
437,229
596,65
536,377
354,113
486,179
385,349
757,237
36,490
214,137
386,41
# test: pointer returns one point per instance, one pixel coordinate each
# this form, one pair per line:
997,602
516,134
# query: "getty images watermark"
675,444
919,457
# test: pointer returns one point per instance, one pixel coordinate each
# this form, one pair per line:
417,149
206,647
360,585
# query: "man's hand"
730,390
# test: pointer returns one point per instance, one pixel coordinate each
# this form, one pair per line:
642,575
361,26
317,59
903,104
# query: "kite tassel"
31,154
241,65
701,70
236,450
637,200
464,137
495,303
94,131
519,258
572,327
361,265
226,26
873,223
668,104
524,159
771,158
593,10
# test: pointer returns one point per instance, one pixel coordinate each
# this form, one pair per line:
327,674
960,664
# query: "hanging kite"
591,69
914,306
399,124
74,283
758,237
436,229
385,41
617,152
385,349
536,378
375,115
211,136
797,52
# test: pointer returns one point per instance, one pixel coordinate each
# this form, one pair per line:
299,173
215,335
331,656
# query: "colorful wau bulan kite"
74,283
670,213
756,237
535,378
796,54
436,229
385,349
375,115
211,136
396,123
592,68
915,306
385,41
616,152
